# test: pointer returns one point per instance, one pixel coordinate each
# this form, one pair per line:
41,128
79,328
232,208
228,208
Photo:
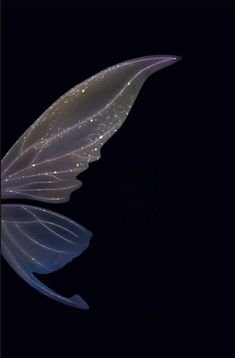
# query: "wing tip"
78,302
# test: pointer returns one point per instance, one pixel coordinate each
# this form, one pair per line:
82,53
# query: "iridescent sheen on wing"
44,162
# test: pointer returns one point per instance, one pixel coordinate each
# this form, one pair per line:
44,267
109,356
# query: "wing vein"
20,248
38,243
52,231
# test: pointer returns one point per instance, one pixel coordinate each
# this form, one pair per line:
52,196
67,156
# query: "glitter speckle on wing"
70,134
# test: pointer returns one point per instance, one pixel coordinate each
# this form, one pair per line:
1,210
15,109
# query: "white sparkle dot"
91,120
100,136
55,172
83,90
33,165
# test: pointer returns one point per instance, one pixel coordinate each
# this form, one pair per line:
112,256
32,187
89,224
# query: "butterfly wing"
41,241
44,162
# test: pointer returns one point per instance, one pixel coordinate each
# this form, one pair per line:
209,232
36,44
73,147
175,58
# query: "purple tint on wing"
38,240
44,162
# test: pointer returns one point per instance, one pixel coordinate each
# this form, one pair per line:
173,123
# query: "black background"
149,201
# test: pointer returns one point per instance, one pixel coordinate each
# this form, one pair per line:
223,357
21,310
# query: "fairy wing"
41,241
44,162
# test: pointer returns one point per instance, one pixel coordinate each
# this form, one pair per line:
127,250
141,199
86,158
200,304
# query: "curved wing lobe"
44,162
41,241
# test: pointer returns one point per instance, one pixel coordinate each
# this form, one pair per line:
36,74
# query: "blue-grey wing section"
59,145
38,240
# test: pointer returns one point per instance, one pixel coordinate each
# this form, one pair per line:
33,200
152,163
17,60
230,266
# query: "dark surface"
150,200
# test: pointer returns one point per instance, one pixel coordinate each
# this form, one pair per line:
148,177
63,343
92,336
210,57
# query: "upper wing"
44,162
41,241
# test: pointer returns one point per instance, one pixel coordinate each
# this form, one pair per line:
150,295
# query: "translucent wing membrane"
44,162
41,241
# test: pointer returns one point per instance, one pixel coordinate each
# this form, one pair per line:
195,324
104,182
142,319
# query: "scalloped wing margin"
41,241
44,162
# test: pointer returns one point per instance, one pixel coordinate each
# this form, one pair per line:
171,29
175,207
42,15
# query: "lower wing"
41,241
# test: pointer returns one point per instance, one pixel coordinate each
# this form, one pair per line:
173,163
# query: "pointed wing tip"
159,58
78,302
167,59
152,64
173,58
